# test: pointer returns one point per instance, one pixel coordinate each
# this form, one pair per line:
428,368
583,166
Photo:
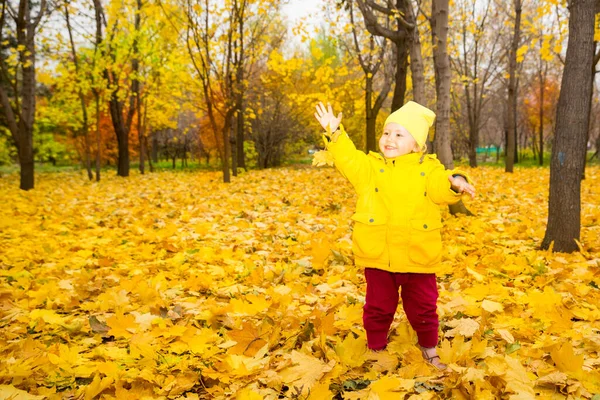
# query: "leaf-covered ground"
174,285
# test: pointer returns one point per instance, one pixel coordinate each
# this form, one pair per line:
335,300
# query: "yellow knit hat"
415,118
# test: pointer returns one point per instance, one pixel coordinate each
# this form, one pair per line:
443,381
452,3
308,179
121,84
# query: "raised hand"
326,118
460,185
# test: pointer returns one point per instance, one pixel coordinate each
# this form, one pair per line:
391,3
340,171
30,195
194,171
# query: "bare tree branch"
375,28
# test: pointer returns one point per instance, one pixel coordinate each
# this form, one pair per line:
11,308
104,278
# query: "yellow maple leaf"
465,327
305,371
250,339
352,351
320,391
389,387
12,393
97,386
122,325
455,351
517,379
565,358
248,394
320,250
491,306
252,305
49,316
322,157
348,316
544,302
141,345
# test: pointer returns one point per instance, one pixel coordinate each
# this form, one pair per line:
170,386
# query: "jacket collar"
408,159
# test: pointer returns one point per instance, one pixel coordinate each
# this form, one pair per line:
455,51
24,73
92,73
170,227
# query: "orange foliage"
109,150
532,104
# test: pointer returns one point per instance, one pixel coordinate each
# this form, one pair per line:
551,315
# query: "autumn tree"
370,51
84,128
572,122
18,26
443,80
120,48
401,34
476,62
217,52
511,124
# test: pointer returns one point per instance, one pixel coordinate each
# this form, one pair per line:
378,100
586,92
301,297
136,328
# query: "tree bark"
370,64
512,91
20,113
98,40
122,123
417,71
399,37
84,122
439,36
572,122
542,78
240,86
98,136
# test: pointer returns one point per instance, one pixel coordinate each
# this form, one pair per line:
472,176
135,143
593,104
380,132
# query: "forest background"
233,84
231,281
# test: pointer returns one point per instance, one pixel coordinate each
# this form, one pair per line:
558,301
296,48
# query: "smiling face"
396,141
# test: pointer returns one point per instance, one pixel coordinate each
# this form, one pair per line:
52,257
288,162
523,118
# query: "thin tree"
239,9
20,110
511,124
84,130
542,76
572,122
121,117
98,37
439,37
199,36
401,37
477,65
370,62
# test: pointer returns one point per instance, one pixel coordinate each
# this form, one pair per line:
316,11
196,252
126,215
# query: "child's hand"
460,185
325,117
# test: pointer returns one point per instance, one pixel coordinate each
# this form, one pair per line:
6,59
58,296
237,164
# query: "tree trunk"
572,122
226,149
541,132
142,142
439,31
154,152
121,123
84,123
370,64
21,118
233,143
98,136
398,37
239,104
416,61
473,142
512,91
401,72
122,134
371,142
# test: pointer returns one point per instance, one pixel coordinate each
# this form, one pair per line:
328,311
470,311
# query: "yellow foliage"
204,290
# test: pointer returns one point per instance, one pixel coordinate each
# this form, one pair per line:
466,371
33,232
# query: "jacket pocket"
369,235
425,244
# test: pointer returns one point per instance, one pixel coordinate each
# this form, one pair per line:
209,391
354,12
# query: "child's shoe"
431,356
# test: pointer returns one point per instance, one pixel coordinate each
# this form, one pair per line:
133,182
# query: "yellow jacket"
397,220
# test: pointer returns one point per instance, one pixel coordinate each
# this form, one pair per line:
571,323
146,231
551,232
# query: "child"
396,235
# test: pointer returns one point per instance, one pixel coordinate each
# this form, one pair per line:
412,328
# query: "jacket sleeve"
438,185
352,163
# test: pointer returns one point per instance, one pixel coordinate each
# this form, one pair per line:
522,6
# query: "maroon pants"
419,297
